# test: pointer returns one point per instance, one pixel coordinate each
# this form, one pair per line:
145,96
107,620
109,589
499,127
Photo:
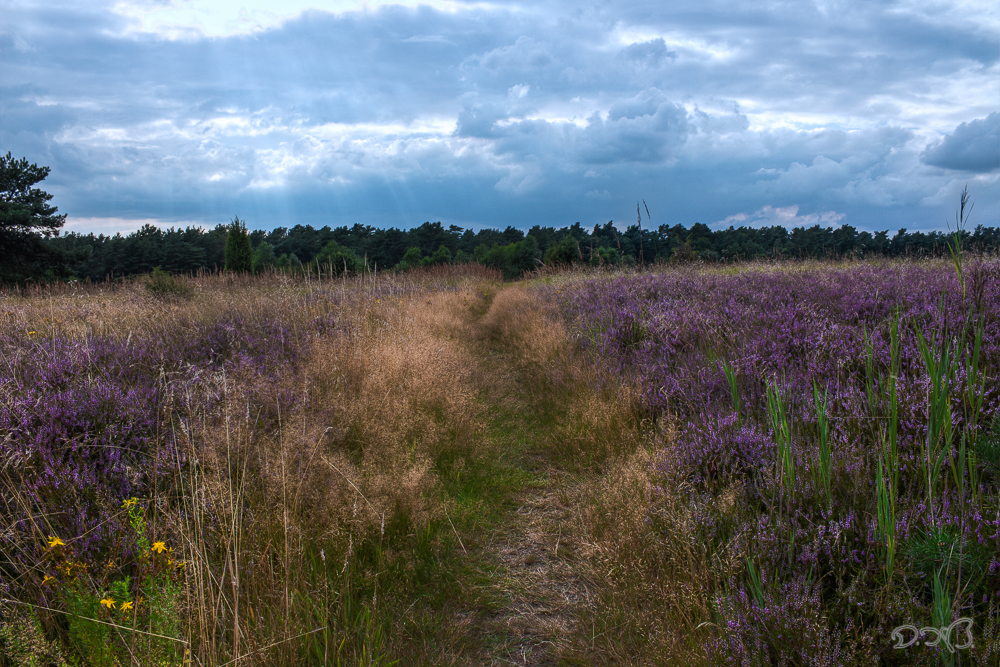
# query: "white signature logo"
941,635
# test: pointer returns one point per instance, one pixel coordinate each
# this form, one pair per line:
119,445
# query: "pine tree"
25,218
239,256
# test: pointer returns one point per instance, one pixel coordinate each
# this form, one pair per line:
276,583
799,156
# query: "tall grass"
279,439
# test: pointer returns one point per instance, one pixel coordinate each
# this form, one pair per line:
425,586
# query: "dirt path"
531,558
537,562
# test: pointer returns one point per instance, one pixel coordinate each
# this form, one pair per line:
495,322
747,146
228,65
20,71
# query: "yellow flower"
31,333
126,606
55,542
47,579
130,503
159,547
108,602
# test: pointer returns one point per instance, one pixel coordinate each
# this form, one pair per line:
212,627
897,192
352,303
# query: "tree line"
31,247
513,251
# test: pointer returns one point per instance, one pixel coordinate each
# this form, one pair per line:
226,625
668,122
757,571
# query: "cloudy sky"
873,113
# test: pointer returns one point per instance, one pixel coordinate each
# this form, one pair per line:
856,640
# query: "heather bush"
852,410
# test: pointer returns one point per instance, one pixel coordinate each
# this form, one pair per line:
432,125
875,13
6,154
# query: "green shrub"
411,258
605,257
567,251
164,285
23,642
441,256
512,259
111,611
338,259
263,257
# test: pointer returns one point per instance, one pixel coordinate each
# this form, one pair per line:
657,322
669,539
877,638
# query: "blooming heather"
827,330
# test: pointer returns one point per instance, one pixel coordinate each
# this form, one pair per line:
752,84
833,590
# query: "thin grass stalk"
756,583
943,608
885,496
781,426
734,393
974,394
825,470
892,453
955,245
937,446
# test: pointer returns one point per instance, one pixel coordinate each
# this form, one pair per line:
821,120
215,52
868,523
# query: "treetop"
23,208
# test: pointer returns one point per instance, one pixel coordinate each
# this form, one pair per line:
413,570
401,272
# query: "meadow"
766,464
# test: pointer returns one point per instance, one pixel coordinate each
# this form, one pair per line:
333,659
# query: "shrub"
411,258
164,285
441,256
339,260
263,257
567,251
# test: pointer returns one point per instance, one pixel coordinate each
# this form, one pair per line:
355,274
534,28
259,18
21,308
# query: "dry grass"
291,521
657,580
372,509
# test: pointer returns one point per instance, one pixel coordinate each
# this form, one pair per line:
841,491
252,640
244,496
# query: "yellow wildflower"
108,602
126,606
159,547
47,579
55,542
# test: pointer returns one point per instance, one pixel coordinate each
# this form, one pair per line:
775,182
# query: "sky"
868,113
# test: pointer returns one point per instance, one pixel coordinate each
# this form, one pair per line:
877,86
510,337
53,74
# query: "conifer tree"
25,219
239,256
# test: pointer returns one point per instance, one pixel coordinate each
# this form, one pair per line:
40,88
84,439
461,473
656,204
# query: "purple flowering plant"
855,408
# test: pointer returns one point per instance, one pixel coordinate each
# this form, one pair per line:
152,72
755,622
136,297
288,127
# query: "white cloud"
187,19
781,216
112,226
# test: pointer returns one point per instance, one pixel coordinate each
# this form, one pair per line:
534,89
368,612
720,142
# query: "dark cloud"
513,114
973,146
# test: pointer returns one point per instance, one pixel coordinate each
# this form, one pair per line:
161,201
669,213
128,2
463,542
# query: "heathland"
773,463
